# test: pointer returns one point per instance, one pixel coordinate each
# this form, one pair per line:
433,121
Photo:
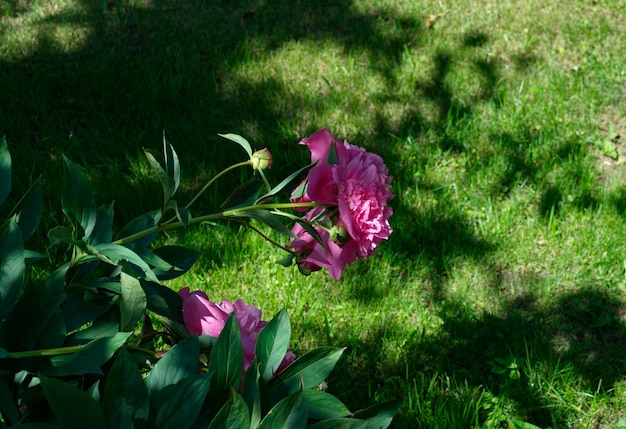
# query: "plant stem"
217,176
210,217
45,352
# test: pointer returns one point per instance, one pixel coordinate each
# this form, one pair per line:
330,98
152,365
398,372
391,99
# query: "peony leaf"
90,358
163,300
76,199
267,218
167,183
103,229
291,412
79,311
72,407
311,369
12,266
117,254
255,394
31,256
272,344
340,423
59,234
29,209
379,415
172,165
234,414
239,140
179,362
180,258
178,406
5,170
243,196
323,405
140,224
133,302
276,190
226,362
182,214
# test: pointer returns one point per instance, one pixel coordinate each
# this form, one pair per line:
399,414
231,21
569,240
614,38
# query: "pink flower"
357,184
203,317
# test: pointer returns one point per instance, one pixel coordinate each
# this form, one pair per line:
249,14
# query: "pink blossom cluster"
355,186
203,317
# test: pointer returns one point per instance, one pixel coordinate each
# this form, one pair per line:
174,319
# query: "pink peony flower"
203,317
357,184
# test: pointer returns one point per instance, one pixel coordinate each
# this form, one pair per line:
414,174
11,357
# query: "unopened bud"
262,159
339,234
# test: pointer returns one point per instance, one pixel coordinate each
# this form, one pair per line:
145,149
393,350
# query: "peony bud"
338,234
262,159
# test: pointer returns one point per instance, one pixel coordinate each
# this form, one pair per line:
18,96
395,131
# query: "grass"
501,294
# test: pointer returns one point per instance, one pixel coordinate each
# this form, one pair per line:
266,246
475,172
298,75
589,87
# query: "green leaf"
287,261
172,165
177,406
72,407
340,424
117,254
267,218
163,300
90,358
133,302
253,385
379,416
239,140
226,360
272,344
31,256
182,214
125,389
81,309
139,224
308,227
59,234
323,405
12,266
243,196
180,258
180,362
167,183
103,229
234,414
76,198
291,412
5,170
29,209
311,369
276,190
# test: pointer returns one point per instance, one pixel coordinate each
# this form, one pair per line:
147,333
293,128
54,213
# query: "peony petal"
322,188
319,144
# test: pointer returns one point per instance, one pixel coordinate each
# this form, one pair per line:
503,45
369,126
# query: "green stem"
45,352
211,217
220,174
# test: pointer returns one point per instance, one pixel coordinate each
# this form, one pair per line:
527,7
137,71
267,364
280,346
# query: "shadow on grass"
582,335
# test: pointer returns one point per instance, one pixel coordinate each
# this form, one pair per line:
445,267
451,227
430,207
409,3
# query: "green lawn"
501,294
